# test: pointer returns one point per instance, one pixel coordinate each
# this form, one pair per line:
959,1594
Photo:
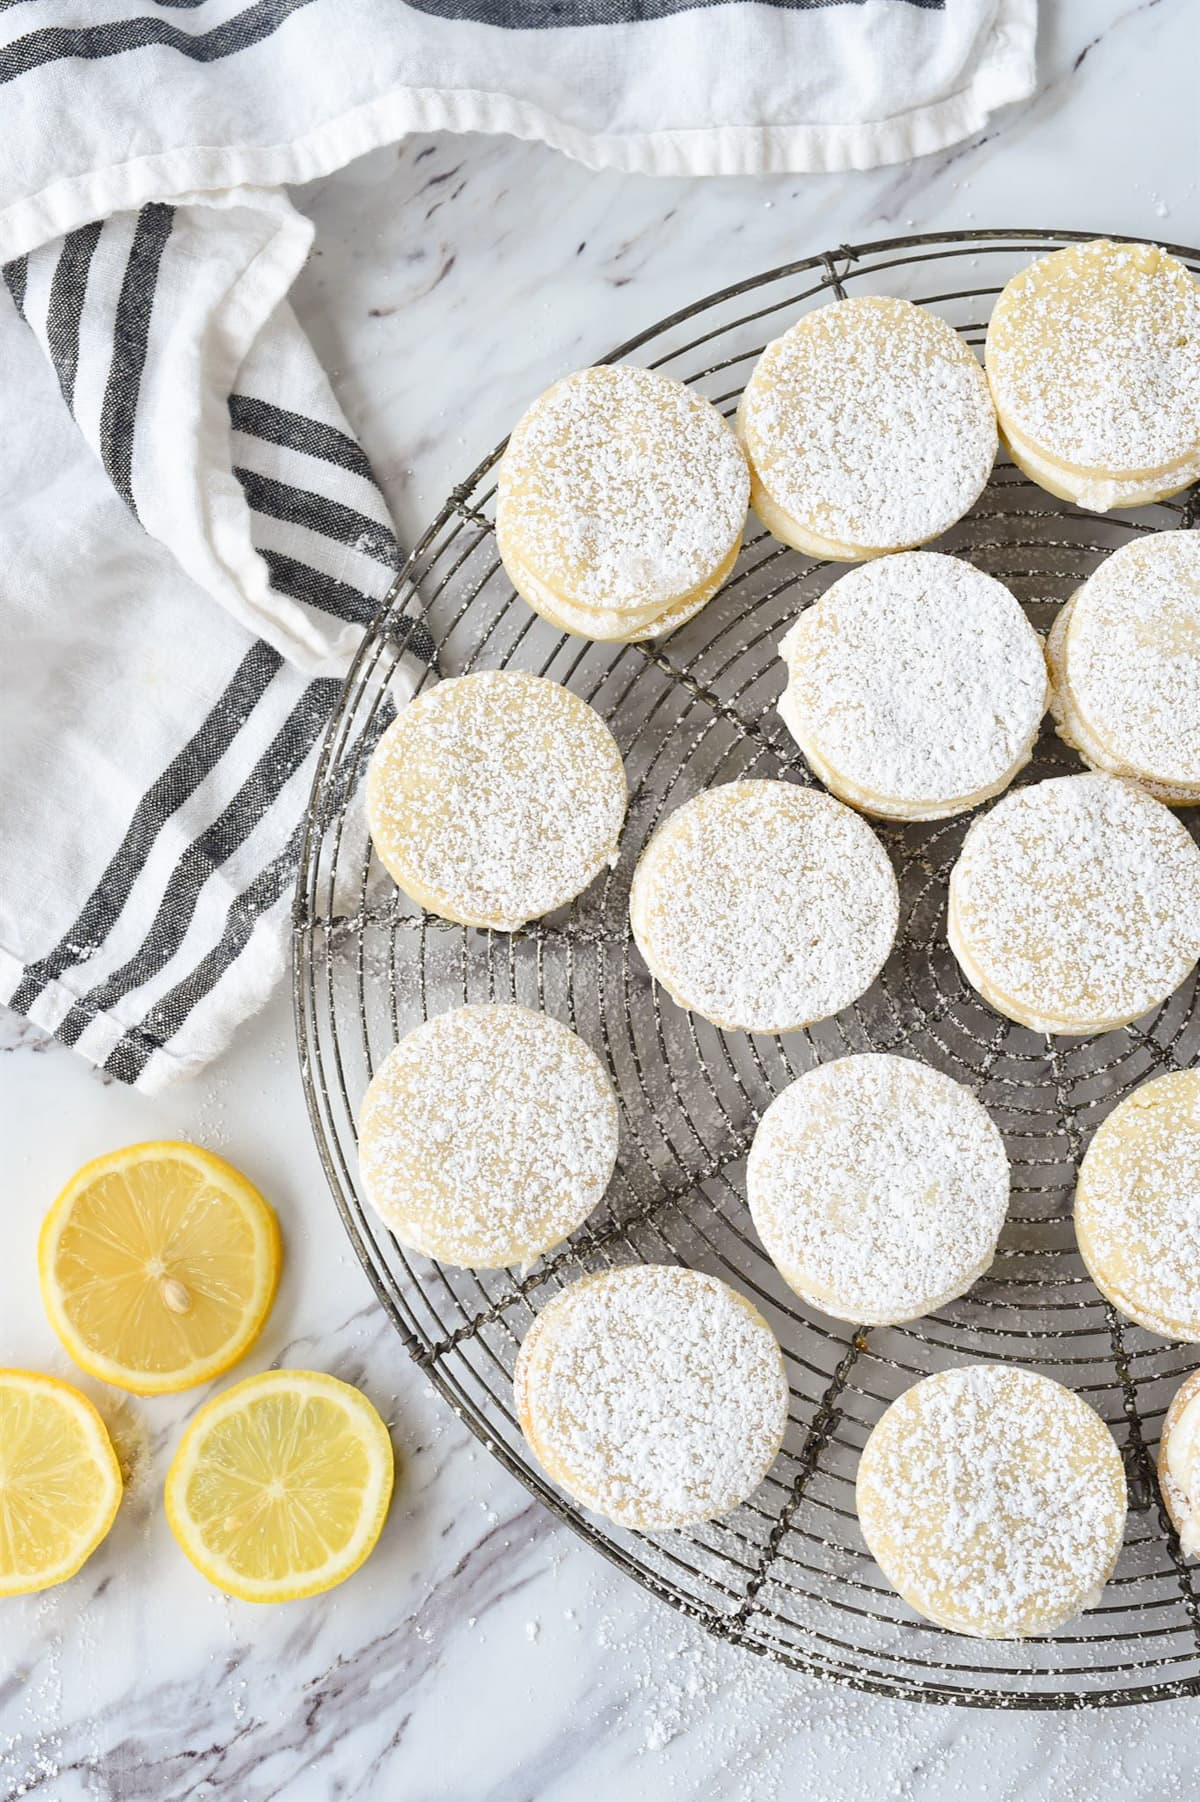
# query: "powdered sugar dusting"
994,1500
870,422
764,906
500,795
1179,1464
1079,900
918,682
622,489
878,1187
1130,658
656,1395
1137,1205
1094,355
488,1135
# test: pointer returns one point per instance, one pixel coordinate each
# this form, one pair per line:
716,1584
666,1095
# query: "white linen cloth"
167,666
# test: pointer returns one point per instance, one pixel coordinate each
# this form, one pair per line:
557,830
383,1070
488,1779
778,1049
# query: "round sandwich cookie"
1093,355
916,686
764,906
1137,1206
1179,1465
878,1187
495,798
1125,660
868,428
993,1500
487,1136
654,1395
1075,904
621,502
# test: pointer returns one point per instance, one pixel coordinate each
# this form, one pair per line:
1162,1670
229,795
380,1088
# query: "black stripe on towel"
300,507
91,43
131,329
259,419
171,1011
131,1054
182,776
302,582
64,314
205,855
16,274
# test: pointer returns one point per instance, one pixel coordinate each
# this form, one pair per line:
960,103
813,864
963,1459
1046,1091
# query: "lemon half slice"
158,1266
280,1486
60,1484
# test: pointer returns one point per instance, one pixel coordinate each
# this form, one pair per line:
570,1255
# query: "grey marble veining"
485,1653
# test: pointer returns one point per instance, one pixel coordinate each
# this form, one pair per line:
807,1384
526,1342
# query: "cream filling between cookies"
1097,490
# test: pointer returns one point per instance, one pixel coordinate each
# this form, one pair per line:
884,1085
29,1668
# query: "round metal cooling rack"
788,1574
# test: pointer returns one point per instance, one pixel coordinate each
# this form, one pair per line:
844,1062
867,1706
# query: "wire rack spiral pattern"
788,1574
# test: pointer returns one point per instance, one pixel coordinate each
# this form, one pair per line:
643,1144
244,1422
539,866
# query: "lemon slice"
280,1486
158,1266
60,1484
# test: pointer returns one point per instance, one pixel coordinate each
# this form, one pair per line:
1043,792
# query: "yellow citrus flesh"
158,1266
281,1485
60,1484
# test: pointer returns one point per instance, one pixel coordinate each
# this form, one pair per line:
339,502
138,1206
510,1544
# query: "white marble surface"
484,1653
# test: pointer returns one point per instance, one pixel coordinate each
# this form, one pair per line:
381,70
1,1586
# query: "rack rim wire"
787,1575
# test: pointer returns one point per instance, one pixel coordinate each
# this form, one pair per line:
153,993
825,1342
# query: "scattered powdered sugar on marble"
1137,1206
622,488
501,791
870,421
917,678
1132,655
879,1185
1094,354
657,1394
487,1135
765,906
994,1500
1080,895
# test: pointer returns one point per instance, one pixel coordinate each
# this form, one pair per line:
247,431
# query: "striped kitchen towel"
191,538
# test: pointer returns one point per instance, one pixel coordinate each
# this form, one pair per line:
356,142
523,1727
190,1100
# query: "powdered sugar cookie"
1179,1465
916,686
1125,657
1075,904
1093,355
994,1501
878,1187
487,1136
764,906
495,798
1137,1206
654,1395
621,502
868,428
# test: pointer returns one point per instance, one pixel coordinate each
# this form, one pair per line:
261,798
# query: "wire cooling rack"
788,1574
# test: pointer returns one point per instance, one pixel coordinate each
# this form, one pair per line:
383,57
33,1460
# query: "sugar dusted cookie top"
764,906
1093,354
878,1186
487,1136
915,684
1075,904
495,798
993,1500
870,423
654,1395
1137,1206
622,492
